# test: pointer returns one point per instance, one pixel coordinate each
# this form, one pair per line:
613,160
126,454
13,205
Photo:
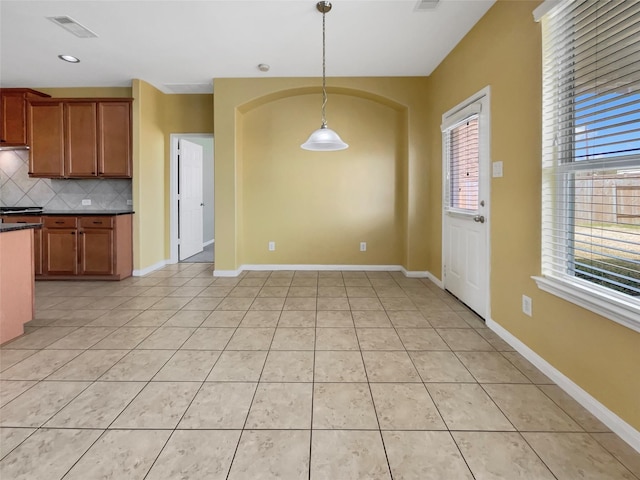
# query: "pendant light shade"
324,139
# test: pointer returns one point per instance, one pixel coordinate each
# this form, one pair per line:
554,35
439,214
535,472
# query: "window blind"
463,169
591,145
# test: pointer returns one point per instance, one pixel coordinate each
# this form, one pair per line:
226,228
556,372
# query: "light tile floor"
322,375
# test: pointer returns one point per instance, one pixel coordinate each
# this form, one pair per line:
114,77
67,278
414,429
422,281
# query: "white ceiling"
189,42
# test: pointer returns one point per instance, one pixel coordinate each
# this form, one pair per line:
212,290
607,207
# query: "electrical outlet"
527,306
86,201
363,246
272,246
129,202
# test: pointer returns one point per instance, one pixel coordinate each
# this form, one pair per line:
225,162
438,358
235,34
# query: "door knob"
479,218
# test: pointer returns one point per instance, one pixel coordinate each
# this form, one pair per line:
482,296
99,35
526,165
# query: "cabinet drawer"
25,219
96,222
60,222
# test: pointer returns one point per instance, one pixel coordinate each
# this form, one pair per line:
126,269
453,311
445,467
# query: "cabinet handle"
73,233
97,223
59,222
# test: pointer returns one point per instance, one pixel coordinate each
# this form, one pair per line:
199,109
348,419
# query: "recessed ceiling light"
69,58
263,67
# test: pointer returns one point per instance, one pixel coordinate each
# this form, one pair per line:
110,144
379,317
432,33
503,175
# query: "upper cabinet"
13,115
114,141
46,133
79,138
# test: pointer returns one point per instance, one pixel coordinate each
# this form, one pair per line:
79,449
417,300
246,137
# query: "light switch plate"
497,169
86,202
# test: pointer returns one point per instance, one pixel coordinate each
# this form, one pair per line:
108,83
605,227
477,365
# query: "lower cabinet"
87,247
60,240
97,251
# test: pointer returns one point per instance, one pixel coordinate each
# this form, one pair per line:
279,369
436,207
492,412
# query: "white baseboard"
606,416
342,268
414,274
152,268
206,244
226,273
435,280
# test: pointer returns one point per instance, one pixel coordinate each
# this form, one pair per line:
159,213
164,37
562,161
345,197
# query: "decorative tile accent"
18,189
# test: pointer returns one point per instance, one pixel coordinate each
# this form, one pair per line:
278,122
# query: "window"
463,165
591,155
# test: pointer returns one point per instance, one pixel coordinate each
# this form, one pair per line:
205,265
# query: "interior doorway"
191,198
466,202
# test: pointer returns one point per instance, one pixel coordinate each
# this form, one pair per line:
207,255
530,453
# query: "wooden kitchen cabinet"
96,246
81,139
114,143
88,247
84,138
45,123
60,237
13,115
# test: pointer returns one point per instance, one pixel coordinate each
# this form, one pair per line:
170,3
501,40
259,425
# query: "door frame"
484,98
173,188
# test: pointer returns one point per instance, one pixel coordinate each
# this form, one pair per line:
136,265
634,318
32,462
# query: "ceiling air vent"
72,26
426,4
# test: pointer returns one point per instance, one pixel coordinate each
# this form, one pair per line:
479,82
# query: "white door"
466,202
190,201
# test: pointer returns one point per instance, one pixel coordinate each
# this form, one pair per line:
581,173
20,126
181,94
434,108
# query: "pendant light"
324,139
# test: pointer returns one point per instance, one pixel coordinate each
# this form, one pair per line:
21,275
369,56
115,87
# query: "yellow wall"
504,51
156,116
318,206
148,177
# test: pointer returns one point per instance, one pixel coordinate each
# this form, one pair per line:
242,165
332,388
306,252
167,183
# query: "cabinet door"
60,251
81,139
96,251
45,124
12,118
114,141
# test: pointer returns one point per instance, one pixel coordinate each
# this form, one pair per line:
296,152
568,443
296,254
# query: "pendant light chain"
324,139
324,68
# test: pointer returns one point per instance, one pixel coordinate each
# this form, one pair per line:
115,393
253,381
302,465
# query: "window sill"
619,310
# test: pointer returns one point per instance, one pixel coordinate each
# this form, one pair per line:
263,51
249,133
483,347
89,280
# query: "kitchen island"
16,278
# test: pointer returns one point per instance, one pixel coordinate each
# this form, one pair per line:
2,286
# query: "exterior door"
466,202
190,203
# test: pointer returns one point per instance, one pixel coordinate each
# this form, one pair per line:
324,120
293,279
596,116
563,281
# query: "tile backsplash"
18,189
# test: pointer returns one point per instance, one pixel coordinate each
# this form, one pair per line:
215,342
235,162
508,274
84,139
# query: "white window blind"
463,168
591,147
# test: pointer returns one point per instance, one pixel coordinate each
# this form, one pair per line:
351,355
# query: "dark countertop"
10,227
73,213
